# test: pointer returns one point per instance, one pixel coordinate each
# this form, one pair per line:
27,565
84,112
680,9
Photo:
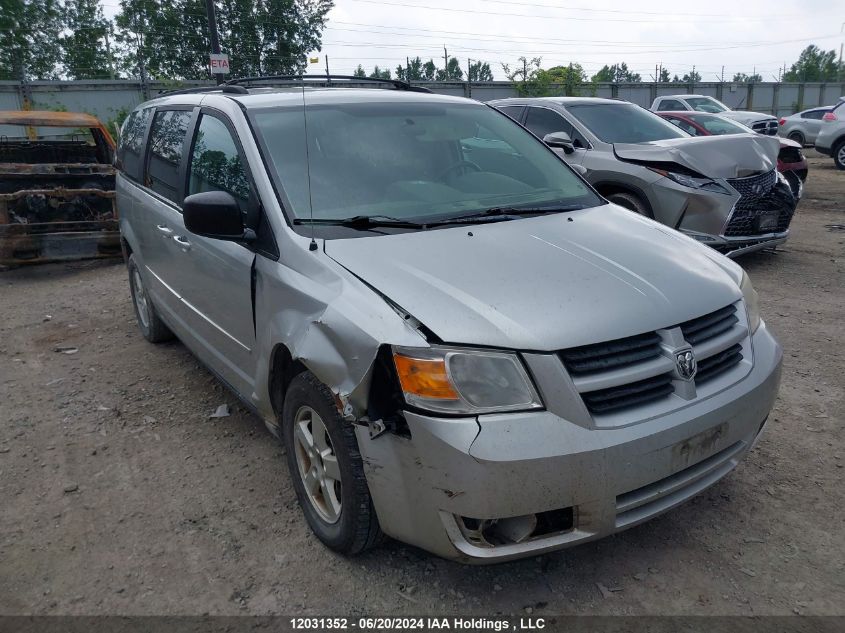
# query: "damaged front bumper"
500,487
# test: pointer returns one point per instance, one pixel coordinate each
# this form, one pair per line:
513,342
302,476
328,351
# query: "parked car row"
463,343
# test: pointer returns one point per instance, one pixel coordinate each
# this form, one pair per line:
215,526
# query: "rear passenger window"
512,111
669,105
216,164
167,138
130,152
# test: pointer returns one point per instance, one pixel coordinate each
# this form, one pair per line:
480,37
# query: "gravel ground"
120,495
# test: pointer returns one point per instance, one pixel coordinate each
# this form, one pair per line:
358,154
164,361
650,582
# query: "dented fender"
329,320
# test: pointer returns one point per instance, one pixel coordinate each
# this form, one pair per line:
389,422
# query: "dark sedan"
791,161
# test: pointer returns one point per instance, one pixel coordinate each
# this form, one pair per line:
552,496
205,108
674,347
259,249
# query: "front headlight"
752,302
707,184
464,381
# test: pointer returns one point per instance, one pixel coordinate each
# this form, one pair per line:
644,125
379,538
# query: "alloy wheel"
141,301
317,462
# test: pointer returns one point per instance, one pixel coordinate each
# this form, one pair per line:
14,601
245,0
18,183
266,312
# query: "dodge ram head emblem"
685,364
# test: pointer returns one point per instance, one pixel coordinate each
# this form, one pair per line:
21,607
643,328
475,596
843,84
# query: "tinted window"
130,152
167,139
719,126
706,104
512,111
216,164
405,160
543,121
623,123
668,105
813,114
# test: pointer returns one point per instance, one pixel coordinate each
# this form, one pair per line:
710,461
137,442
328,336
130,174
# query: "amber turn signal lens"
424,377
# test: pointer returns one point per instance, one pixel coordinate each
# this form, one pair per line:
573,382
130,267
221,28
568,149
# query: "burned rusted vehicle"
56,188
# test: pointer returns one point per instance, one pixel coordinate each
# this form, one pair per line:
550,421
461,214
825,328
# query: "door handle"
162,228
184,244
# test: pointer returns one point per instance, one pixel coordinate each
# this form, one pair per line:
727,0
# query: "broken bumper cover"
513,465
741,245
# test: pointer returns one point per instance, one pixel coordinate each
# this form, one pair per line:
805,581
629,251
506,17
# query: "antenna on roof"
313,245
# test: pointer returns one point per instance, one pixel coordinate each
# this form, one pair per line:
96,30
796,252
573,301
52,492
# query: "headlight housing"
752,302
464,381
707,184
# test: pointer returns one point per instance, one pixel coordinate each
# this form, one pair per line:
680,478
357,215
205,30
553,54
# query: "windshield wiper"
505,213
363,222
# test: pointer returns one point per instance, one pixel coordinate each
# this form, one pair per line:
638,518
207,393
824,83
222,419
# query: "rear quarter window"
130,151
167,142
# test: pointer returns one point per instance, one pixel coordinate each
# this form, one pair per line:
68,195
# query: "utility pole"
524,69
327,67
445,63
213,35
108,52
722,79
407,69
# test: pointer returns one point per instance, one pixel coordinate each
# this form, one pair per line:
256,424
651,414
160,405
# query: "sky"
741,36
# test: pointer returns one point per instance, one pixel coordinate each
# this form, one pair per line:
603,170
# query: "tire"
631,202
150,324
839,155
338,509
798,137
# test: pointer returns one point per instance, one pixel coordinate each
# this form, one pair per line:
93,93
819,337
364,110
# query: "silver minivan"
462,345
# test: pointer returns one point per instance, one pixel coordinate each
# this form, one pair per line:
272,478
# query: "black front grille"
759,197
632,394
718,364
710,325
769,127
610,355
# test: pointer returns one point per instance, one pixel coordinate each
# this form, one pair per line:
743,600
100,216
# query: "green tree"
429,71
84,49
814,64
664,76
693,77
359,72
29,38
529,78
480,71
617,73
452,71
378,73
413,72
747,79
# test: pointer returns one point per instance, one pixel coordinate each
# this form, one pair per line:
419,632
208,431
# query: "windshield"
412,161
717,125
624,123
706,104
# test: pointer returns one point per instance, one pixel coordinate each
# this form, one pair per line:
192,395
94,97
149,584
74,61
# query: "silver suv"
724,191
461,344
831,138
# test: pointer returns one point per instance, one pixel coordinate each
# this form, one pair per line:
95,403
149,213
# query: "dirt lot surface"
120,495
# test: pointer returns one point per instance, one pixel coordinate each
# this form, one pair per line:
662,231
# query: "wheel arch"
608,188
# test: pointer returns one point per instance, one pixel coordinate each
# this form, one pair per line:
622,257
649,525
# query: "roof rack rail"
396,83
223,87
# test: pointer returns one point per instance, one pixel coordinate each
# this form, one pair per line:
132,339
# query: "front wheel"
629,201
326,468
839,155
797,137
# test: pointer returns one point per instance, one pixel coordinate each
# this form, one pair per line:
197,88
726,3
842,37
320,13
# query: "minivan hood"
544,283
730,156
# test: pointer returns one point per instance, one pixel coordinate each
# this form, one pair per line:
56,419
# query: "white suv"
757,121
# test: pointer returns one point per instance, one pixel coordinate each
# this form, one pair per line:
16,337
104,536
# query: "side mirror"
215,214
561,140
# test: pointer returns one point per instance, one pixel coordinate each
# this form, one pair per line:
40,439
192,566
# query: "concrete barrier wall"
109,100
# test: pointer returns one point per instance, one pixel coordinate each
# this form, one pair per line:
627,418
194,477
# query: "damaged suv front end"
724,191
